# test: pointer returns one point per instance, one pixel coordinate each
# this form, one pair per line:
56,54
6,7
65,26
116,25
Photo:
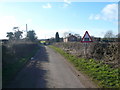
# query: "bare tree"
65,34
77,35
118,35
109,35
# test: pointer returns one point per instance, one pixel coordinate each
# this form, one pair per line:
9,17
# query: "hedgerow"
104,75
12,62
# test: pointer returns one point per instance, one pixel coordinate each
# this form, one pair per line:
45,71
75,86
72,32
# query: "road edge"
85,79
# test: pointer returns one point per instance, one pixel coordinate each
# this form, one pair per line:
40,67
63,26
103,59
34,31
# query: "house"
70,38
96,39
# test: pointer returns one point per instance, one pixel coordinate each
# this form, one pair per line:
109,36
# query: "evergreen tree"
10,35
57,39
18,34
31,35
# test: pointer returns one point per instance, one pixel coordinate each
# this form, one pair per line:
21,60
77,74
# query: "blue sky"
47,18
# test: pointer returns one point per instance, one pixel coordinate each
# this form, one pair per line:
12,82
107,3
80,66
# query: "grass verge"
9,72
104,75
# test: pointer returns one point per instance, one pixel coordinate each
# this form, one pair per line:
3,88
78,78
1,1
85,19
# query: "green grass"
104,75
11,70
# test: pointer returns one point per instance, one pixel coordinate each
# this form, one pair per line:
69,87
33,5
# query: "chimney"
26,27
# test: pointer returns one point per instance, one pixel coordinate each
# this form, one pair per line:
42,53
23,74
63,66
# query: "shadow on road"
33,74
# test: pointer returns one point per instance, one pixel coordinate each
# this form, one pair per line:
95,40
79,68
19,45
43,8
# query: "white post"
85,49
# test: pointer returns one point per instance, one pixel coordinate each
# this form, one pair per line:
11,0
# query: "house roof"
71,36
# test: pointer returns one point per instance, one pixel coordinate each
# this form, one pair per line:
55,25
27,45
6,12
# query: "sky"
47,18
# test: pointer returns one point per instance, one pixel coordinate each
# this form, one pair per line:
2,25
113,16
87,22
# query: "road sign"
86,38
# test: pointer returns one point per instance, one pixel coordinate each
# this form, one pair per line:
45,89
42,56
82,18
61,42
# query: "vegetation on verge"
15,57
100,51
104,75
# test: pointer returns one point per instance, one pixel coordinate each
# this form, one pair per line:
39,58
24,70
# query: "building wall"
72,38
65,39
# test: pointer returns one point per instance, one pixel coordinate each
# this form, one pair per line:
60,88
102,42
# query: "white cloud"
67,1
91,17
97,17
65,5
109,13
47,6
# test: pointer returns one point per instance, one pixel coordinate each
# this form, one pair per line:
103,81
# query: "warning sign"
86,38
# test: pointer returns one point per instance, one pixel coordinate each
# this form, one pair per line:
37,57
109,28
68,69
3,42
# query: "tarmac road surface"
48,69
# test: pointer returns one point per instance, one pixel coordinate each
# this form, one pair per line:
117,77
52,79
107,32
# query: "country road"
48,69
